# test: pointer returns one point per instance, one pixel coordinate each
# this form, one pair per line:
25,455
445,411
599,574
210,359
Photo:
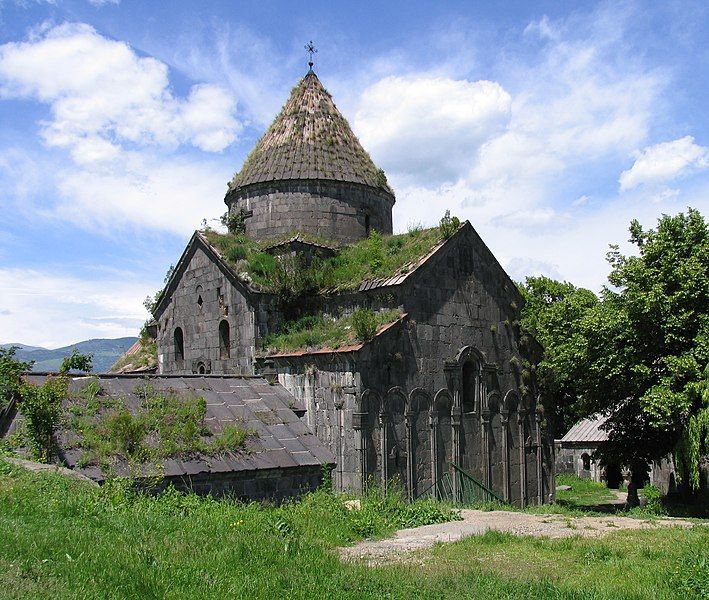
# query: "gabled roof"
587,430
309,139
196,241
279,440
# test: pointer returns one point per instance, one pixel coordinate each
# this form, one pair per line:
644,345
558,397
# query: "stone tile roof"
309,139
587,430
282,440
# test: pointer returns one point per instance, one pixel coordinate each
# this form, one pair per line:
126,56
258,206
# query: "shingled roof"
280,439
309,139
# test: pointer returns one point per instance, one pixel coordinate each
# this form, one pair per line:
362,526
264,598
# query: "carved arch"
367,400
511,401
467,353
395,401
419,400
442,399
492,402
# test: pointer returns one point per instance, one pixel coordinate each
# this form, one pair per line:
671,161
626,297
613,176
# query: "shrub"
448,225
364,322
41,407
76,361
10,371
653,500
234,222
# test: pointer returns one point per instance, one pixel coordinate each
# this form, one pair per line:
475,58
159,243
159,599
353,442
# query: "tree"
640,356
553,312
650,343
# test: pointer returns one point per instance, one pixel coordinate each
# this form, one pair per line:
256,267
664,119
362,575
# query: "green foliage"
11,370
235,254
41,407
640,354
552,313
694,439
231,439
364,322
448,225
147,356
166,425
376,256
76,361
234,222
653,500
314,332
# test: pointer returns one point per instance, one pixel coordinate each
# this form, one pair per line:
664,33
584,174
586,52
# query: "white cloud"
102,95
143,191
660,163
430,128
52,310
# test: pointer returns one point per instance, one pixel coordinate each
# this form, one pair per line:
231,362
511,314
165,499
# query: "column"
410,463
359,424
540,458
383,424
521,415
504,420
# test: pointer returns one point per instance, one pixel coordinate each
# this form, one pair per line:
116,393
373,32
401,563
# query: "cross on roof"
312,50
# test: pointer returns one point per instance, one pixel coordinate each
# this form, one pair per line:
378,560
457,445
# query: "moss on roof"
377,257
309,139
317,332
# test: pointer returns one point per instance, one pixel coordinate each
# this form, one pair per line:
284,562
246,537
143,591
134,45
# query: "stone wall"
204,298
337,211
452,384
268,484
570,460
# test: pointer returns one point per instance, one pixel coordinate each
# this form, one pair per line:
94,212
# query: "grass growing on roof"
373,258
165,425
315,331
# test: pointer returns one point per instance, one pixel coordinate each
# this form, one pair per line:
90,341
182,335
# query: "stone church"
446,385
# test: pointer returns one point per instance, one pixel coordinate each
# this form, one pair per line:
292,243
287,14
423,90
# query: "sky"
548,125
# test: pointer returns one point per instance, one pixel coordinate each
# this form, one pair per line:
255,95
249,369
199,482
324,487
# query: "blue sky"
548,125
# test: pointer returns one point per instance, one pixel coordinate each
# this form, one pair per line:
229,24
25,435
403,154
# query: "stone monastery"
402,353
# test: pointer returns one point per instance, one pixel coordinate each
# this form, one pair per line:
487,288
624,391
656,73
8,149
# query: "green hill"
105,352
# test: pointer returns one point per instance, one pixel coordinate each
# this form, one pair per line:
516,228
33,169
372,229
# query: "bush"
448,225
10,371
41,407
653,500
364,322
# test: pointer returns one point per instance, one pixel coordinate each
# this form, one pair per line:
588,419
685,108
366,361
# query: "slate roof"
587,430
309,139
282,439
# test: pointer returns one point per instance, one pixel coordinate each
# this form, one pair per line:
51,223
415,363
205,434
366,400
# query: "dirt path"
476,522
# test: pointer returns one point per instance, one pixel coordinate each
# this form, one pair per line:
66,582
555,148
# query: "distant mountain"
105,352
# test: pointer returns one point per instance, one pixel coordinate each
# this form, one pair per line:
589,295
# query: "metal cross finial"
312,50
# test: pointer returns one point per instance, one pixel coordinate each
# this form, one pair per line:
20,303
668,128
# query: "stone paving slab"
476,522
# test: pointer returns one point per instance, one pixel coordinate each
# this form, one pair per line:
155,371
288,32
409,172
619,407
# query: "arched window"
367,226
470,386
200,300
224,341
586,460
179,345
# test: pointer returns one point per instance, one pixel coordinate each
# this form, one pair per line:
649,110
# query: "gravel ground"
476,522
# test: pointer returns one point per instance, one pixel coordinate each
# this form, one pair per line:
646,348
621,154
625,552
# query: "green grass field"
60,538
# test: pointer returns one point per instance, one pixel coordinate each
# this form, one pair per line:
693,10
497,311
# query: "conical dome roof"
309,139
